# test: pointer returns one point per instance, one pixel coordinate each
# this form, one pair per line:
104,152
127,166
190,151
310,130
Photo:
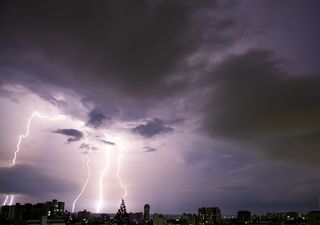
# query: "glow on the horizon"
87,180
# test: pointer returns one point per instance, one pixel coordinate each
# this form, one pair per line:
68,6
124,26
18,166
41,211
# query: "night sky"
202,103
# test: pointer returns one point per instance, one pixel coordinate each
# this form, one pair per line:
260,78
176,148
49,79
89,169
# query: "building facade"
209,216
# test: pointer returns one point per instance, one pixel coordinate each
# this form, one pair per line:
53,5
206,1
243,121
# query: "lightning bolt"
11,199
26,134
87,180
100,204
5,200
125,192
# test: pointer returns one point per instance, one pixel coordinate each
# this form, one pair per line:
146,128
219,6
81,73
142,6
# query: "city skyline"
53,212
147,214
178,104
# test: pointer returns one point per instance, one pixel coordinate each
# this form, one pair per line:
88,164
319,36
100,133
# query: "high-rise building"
191,219
244,216
55,209
146,214
209,216
40,213
159,219
83,216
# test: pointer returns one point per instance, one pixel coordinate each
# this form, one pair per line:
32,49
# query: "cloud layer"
257,103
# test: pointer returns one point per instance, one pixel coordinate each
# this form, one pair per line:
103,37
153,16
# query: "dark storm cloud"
256,103
106,50
135,39
152,128
73,134
96,118
25,179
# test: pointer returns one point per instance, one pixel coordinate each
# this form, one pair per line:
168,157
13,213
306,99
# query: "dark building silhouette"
40,213
55,209
146,214
83,216
135,218
191,219
159,219
314,218
244,217
209,216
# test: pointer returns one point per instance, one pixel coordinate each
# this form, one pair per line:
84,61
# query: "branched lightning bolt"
28,132
35,113
99,206
125,192
87,180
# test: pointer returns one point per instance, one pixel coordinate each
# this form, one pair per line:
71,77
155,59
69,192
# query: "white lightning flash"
87,180
100,202
28,132
13,163
125,192
5,200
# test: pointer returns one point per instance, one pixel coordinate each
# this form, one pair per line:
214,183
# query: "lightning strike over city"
100,203
178,109
5,200
87,179
124,188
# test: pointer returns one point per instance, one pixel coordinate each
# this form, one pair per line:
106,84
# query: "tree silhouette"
122,218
